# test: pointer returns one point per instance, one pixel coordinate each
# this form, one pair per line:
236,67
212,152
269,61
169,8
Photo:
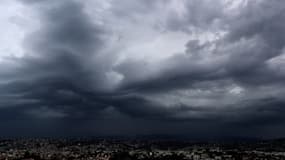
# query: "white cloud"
236,90
16,21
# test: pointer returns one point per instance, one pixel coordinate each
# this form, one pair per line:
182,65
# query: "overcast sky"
199,68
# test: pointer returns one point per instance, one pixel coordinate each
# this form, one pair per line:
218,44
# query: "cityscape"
114,149
142,79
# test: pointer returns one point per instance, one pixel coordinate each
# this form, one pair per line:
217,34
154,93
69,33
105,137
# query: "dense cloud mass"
144,67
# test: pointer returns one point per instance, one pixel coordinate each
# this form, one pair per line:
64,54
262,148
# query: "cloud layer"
147,67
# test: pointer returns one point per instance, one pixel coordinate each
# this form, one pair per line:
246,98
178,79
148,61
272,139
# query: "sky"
196,68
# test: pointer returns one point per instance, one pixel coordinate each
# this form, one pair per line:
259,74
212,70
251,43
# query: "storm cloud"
144,67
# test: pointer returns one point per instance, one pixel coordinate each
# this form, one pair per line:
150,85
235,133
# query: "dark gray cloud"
78,71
